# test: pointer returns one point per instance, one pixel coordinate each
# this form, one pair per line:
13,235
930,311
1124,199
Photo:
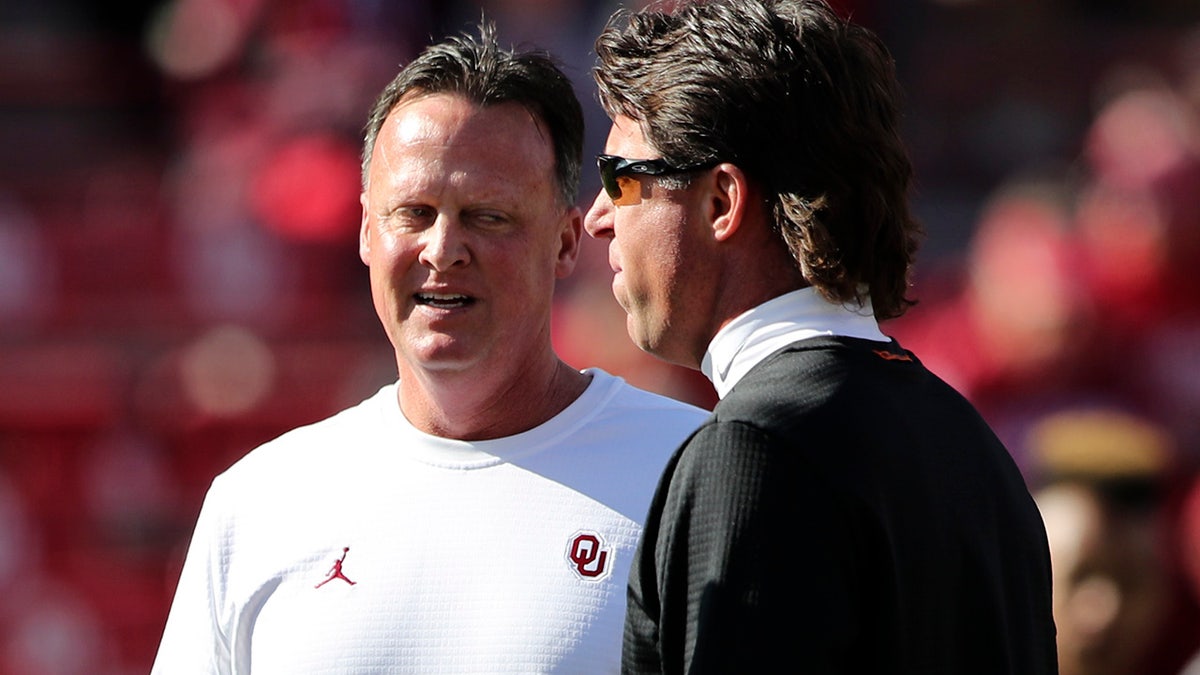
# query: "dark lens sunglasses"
616,174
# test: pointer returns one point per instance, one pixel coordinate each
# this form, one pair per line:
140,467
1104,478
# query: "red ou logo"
589,557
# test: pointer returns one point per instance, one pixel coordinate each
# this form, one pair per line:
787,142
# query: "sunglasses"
617,175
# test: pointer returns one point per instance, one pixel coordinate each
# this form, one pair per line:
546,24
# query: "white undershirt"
759,332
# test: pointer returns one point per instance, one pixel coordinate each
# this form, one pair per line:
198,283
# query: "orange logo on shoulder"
889,356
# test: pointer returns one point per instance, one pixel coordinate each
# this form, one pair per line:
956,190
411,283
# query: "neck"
470,406
748,281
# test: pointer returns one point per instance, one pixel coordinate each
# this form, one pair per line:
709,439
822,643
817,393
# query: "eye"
488,219
418,212
410,216
630,191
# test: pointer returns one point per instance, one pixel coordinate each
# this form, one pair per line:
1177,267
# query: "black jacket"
842,511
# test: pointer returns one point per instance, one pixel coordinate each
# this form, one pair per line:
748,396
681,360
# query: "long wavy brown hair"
803,101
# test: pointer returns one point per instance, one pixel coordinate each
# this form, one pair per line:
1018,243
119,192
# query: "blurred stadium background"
179,278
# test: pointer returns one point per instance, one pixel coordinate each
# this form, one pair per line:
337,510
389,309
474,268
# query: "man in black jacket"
843,510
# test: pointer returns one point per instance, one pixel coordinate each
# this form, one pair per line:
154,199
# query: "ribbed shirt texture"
362,545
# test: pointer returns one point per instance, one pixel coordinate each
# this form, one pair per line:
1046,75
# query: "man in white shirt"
483,510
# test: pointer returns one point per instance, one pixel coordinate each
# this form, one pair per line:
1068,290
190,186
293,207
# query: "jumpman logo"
335,572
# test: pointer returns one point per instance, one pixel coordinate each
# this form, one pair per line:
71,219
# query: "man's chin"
646,340
439,356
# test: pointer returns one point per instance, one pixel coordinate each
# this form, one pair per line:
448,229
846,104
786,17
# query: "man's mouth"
443,300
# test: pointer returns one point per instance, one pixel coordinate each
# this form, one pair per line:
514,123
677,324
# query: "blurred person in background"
1189,539
843,510
1020,315
480,514
1015,331
1138,223
1101,478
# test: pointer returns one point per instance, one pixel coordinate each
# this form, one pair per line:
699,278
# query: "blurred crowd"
179,280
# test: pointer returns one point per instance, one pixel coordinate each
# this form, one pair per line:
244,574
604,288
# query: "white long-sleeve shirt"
360,544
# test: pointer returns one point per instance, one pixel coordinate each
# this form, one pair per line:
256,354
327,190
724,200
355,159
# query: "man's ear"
364,232
728,199
569,238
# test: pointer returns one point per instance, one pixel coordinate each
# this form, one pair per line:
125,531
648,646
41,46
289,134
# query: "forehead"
626,140
455,130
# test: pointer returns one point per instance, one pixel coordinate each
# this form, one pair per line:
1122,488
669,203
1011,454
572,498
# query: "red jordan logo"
335,572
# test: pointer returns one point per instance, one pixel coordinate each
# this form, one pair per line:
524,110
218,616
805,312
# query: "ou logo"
588,556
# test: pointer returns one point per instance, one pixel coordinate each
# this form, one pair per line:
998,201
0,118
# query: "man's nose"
598,220
445,244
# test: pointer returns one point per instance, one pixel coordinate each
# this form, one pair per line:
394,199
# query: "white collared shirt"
757,333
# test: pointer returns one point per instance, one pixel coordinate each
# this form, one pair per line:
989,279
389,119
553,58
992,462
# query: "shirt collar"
759,332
